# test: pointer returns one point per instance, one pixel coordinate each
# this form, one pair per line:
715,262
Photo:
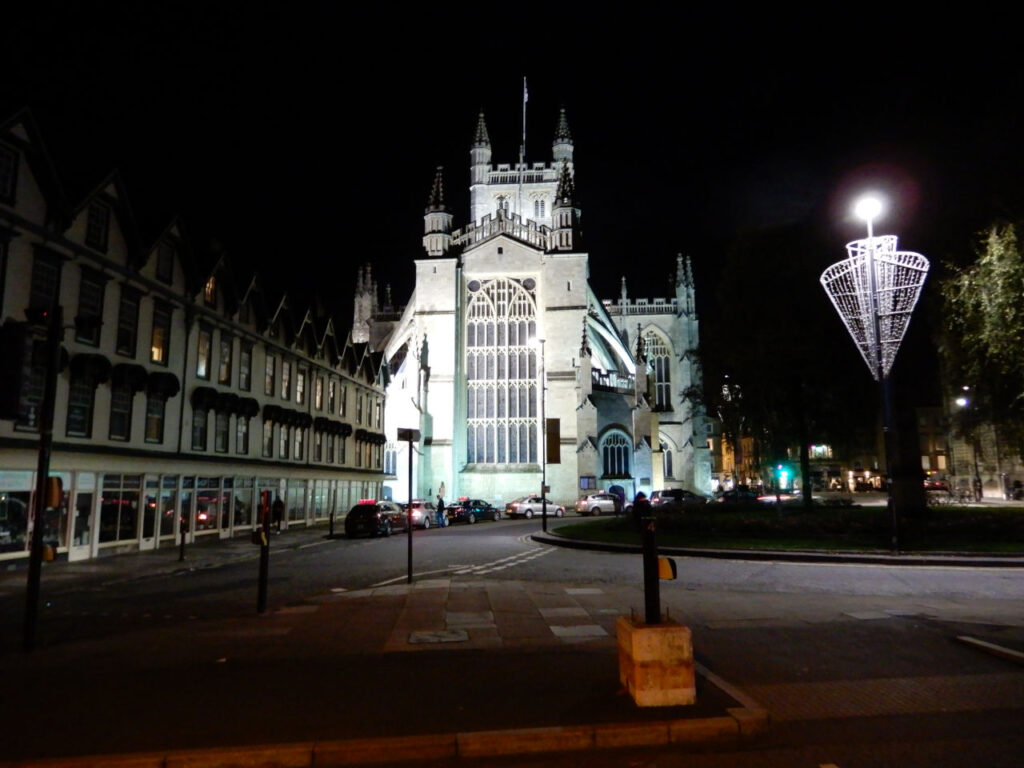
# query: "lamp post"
875,291
543,441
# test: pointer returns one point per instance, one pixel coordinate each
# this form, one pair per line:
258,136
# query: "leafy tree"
982,339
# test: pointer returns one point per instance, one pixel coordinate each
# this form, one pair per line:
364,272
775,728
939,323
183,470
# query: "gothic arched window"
501,372
666,460
615,452
659,355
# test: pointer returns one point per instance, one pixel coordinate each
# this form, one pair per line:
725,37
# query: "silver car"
599,504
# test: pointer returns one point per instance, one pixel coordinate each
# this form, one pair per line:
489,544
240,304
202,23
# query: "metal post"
408,512
544,442
652,586
54,332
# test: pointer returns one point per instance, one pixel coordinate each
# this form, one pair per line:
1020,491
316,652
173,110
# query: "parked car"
374,518
424,513
599,504
528,506
675,500
737,496
467,510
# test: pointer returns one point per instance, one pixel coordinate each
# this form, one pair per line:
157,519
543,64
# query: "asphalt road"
859,664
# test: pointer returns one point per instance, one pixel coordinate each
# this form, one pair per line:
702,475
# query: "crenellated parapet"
511,224
627,307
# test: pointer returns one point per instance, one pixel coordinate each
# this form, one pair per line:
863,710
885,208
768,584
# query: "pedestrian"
277,510
442,518
641,509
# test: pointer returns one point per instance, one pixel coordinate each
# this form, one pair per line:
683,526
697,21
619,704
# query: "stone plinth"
656,662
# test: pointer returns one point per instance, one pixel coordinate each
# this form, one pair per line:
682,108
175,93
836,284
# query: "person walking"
641,509
442,518
277,510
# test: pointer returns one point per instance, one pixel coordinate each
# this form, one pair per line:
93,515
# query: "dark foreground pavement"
444,668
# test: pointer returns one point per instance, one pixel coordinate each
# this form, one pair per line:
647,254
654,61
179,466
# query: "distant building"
503,328
190,397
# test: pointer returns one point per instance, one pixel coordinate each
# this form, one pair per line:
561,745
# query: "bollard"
330,530
261,595
652,586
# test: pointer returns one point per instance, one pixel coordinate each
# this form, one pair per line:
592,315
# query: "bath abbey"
512,371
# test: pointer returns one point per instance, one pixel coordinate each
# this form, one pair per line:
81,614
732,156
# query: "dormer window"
97,226
210,291
8,174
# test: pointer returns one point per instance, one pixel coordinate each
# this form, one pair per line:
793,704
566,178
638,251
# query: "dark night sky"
307,134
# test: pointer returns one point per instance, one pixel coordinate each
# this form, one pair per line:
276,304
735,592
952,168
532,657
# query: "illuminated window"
242,434
210,291
501,373
221,427
332,396
615,451
318,446
269,373
159,348
318,393
224,363
245,367
268,439
300,385
204,349
300,443
199,419
156,406
659,355
283,442
286,380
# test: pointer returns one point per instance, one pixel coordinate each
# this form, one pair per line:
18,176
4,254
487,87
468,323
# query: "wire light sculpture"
876,311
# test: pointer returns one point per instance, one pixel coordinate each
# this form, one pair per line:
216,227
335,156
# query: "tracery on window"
659,355
501,374
615,451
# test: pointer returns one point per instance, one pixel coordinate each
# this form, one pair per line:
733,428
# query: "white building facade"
503,337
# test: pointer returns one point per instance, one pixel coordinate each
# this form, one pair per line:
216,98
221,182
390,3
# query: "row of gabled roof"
304,325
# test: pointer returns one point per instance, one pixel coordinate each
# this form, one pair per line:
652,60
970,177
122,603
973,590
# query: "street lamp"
539,343
875,291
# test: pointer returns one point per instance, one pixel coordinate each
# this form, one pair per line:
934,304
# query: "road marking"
995,650
507,562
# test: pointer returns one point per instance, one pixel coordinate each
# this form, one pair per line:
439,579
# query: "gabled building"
191,397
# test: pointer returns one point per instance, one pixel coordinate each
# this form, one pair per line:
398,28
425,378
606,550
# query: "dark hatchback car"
675,500
374,518
471,510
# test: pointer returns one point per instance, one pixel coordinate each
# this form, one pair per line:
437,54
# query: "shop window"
128,322
156,407
119,508
160,345
97,226
204,348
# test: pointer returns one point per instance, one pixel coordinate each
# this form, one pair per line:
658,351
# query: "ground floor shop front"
134,505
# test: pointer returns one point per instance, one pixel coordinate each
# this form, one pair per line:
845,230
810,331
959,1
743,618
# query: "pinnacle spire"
585,343
566,187
481,139
436,200
562,133
641,348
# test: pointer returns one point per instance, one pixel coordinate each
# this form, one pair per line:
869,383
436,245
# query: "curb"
740,725
792,556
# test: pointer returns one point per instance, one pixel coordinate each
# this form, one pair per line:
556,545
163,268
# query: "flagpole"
522,155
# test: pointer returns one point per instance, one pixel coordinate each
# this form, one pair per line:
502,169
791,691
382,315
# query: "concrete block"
656,662
265,756
385,750
703,730
612,735
753,721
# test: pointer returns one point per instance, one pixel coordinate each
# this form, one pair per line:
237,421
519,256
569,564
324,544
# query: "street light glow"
868,208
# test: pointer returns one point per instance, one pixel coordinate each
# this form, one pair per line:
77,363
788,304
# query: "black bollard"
652,586
330,533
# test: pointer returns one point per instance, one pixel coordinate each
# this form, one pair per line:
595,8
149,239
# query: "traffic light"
16,345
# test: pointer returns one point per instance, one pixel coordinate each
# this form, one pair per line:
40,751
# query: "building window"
318,446
156,406
588,482
332,396
165,263
90,307
221,430
199,429
615,451
128,322
268,439
341,449
539,207
502,424
97,226
160,346
377,413
390,460
210,292
269,374
666,461
659,355
343,405
204,349
81,396
121,397
318,393
224,363
28,418
245,367
359,407
283,442
8,174
300,385
242,435
45,282
286,380
330,448
300,443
